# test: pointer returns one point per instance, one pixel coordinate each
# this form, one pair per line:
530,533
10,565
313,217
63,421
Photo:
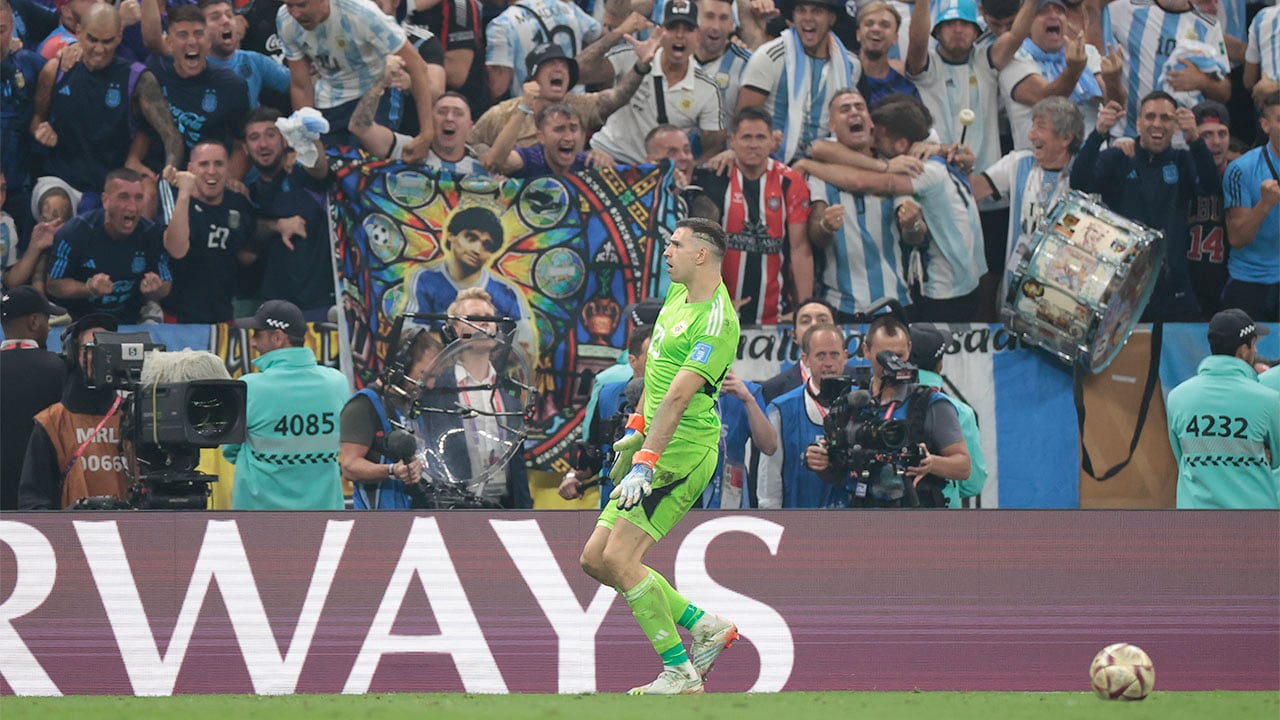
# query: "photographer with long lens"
895,443
785,480
76,448
375,417
592,456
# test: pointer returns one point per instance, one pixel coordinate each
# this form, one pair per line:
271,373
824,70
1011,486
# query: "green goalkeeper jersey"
702,338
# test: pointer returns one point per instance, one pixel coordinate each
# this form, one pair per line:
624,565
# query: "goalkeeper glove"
632,440
638,483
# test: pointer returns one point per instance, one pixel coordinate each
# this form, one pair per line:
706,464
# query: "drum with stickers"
1083,282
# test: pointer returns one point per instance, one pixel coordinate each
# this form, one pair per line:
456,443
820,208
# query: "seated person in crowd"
111,260
51,202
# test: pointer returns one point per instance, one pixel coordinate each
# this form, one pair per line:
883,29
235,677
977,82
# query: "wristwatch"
391,471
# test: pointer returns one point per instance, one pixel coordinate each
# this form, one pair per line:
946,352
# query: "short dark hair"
888,325
210,3
445,94
126,174
1001,9
807,341
902,117
1157,95
850,90
635,343
262,113
751,112
186,13
1268,100
812,301
481,219
708,231
657,130
564,109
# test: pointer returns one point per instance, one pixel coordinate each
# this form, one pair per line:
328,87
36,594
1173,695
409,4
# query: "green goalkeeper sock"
649,605
683,612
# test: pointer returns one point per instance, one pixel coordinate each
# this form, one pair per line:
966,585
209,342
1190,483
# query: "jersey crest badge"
113,96
233,219
680,327
210,101
1171,174
139,263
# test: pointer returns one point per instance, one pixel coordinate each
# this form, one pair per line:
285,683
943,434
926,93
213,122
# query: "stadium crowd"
164,162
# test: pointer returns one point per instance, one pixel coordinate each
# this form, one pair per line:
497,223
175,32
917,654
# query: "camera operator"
76,449
787,480
475,449
288,461
928,345
380,480
592,456
934,428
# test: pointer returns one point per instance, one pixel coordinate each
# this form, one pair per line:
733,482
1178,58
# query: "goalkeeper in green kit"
668,456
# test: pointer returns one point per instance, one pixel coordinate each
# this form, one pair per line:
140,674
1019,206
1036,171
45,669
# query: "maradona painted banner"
567,253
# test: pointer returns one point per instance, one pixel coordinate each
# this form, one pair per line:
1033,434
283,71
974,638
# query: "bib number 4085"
310,424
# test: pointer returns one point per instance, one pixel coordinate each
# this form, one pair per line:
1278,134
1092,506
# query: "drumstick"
966,118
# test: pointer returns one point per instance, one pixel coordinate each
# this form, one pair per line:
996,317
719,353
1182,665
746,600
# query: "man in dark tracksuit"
1150,187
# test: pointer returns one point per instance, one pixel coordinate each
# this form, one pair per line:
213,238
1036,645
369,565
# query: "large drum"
1083,282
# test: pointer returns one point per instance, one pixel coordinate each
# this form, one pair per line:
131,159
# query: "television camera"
168,423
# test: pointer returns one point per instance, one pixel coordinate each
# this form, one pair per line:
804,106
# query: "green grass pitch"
780,706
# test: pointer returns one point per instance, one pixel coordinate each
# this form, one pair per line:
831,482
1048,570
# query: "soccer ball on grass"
1122,672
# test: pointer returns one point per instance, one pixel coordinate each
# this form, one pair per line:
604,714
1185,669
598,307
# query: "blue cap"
966,10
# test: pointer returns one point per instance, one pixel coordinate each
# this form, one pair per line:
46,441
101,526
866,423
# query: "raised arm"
918,39
150,103
177,236
593,69
1003,49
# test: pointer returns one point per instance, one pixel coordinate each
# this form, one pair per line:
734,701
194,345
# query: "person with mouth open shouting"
258,70
1050,63
207,103
556,74
675,91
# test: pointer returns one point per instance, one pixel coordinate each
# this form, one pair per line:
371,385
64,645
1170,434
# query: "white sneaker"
672,681
709,641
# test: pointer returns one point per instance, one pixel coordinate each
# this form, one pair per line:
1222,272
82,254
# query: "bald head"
103,16
99,36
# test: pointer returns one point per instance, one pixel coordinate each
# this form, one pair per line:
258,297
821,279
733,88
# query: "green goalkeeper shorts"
679,478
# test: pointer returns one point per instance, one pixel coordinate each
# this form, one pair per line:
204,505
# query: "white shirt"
348,51
1148,35
692,103
956,258
863,262
485,438
1031,191
1264,42
948,88
510,37
1022,66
